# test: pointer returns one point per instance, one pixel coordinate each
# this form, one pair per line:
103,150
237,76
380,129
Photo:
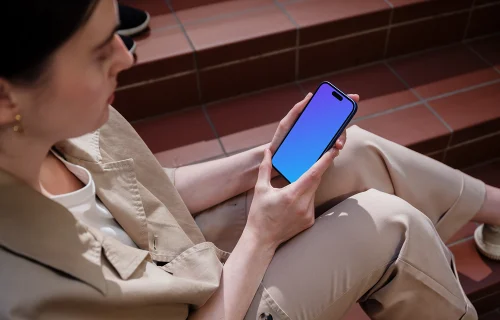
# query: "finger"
265,168
310,180
354,97
293,114
339,144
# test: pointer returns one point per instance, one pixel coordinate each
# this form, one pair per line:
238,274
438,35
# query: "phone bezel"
335,137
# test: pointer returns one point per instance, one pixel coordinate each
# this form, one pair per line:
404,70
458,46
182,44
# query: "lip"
111,98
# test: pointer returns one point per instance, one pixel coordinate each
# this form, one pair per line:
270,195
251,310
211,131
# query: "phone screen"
320,124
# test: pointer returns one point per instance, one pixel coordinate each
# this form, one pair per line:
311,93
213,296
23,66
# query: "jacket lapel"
35,227
146,219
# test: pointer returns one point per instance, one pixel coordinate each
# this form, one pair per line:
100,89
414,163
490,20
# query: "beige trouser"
379,242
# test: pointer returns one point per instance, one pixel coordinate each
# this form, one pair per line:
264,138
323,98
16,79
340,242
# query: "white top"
87,208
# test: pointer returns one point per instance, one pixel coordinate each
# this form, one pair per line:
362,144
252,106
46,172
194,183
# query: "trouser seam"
437,282
384,265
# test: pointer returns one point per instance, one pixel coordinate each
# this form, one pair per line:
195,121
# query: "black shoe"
129,43
132,20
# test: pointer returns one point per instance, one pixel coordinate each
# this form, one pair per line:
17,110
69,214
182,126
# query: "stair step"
215,51
444,102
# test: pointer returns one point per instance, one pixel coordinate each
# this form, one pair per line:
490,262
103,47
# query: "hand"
286,124
277,215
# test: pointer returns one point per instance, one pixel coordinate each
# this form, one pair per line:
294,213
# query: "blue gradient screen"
319,123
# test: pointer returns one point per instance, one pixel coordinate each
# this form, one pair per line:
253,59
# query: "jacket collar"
37,228
133,205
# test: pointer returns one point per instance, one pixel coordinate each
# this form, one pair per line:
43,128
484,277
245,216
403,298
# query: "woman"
91,227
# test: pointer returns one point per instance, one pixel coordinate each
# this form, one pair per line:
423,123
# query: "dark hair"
33,30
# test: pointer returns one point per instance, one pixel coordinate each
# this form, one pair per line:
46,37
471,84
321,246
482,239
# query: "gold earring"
18,127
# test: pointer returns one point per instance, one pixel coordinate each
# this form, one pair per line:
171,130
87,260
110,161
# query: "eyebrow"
108,39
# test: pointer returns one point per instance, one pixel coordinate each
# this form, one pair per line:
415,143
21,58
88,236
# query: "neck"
24,158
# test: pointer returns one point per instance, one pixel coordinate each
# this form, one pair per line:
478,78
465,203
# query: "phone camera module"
337,96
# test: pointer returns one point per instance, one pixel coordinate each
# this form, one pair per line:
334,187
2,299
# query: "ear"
8,108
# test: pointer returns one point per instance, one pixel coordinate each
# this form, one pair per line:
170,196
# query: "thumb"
265,169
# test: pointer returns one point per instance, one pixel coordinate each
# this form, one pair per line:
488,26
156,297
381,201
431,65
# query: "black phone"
320,124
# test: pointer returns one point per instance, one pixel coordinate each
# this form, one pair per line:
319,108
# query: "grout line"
165,114
145,82
301,88
448,146
354,68
460,241
466,31
214,130
421,52
484,163
419,97
389,111
234,14
297,36
391,16
486,136
466,89
480,56
389,4
249,94
482,37
343,37
191,44
230,63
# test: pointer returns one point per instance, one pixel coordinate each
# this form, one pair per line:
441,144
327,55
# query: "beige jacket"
53,267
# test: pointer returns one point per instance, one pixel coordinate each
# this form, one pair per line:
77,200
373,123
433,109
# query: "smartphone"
320,124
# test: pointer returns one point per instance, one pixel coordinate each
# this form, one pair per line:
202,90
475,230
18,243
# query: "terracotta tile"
405,10
471,114
444,70
323,19
487,304
175,130
193,153
222,9
495,315
156,98
415,36
247,112
478,275
469,262
378,87
439,155
160,52
239,36
249,138
247,76
415,127
484,20
341,54
154,7
465,232
489,49
475,152
489,173
356,313
481,2
188,4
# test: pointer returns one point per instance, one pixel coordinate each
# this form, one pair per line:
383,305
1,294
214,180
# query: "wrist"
259,241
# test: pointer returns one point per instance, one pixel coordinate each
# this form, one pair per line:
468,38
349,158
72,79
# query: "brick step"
206,53
444,103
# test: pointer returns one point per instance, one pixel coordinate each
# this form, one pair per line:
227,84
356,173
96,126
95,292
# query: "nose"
123,58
